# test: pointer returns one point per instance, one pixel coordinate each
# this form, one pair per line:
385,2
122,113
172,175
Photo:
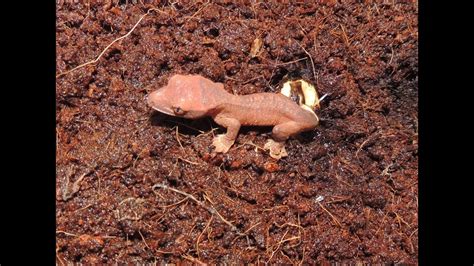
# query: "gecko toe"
221,143
277,149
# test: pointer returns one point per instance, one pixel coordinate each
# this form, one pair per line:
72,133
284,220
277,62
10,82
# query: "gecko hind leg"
277,149
280,134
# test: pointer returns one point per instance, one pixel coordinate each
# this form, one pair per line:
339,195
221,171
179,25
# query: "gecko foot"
277,149
221,143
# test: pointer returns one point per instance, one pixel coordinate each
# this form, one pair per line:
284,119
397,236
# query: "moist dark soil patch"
348,190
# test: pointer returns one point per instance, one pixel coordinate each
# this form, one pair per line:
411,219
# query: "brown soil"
348,190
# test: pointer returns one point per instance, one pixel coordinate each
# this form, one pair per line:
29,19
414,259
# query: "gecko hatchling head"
180,97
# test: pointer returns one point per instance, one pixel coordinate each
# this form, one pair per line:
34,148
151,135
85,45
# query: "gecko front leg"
223,142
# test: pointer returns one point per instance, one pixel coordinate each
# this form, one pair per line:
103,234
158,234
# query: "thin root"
143,238
330,214
251,144
177,138
195,13
193,259
211,209
200,235
365,142
108,46
173,204
188,161
246,231
66,233
310,58
67,194
290,62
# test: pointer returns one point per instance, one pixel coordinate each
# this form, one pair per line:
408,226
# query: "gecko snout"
159,102
153,99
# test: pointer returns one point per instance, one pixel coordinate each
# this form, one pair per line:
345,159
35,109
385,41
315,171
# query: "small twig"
381,223
340,199
88,10
246,231
59,257
195,13
377,9
135,162
330,214
127,200
400,219
271,75
365,142
290,224
338,178
300,228
251,227
206,197
290,62
164,252
207,133
310,58
177,138
211,209
190,162
66,233
288,258
324,96
346,39
200,235
302,259
173,204
108,46
192,259
144,240
294,225
252,79
304,31
83,208
75,186
385,171
391,57
251,144
271,209
278,246
74,235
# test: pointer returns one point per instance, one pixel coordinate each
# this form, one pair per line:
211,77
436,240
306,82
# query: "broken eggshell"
302,92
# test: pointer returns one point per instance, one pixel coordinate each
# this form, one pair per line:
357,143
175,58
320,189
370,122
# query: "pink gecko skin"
193,96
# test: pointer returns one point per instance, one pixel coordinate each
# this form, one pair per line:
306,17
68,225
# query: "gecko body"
193,97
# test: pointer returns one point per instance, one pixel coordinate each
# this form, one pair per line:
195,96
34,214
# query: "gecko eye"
178,110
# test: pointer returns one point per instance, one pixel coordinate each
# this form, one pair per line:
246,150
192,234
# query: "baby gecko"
193,96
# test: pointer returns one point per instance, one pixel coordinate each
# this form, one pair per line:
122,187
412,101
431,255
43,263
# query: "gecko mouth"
158,104
158,101
163,110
